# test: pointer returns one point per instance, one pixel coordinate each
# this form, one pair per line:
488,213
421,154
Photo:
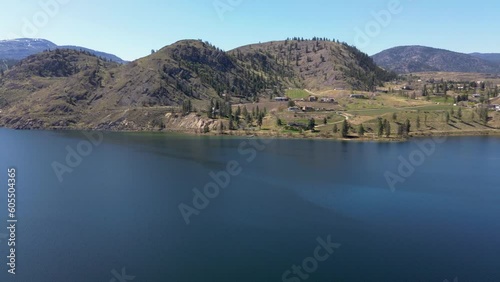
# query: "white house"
327,100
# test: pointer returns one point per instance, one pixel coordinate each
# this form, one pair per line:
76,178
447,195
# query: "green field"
378,112
297,94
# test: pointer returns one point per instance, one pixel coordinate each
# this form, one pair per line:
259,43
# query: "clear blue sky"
131,28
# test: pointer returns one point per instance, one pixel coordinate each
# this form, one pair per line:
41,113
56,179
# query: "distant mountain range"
410,59
403,59
491,57
12,51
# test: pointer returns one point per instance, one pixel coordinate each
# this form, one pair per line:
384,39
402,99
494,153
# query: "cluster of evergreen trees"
187,107
373,75
215,68
482,112
462,87
384,128
301,39
344,131
220,109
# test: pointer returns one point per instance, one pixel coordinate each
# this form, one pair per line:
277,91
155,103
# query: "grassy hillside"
433,116
315,64
52,88
194,86
75,89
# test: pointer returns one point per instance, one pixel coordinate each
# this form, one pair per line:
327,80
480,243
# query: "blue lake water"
117,211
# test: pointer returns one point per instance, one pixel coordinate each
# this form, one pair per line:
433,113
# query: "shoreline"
284,136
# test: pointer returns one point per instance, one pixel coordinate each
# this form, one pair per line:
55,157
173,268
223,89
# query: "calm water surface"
119,209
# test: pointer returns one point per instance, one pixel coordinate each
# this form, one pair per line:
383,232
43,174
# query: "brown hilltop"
317,64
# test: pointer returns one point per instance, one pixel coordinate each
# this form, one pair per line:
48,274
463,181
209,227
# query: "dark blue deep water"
117,212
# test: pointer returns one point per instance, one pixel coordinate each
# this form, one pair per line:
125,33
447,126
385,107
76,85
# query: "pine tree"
210,110
221,127
407,127
249,118
312,124
229,110
260,120
380,128
238,111
387,127
361,130
231,123
345,129
483,115
400,130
